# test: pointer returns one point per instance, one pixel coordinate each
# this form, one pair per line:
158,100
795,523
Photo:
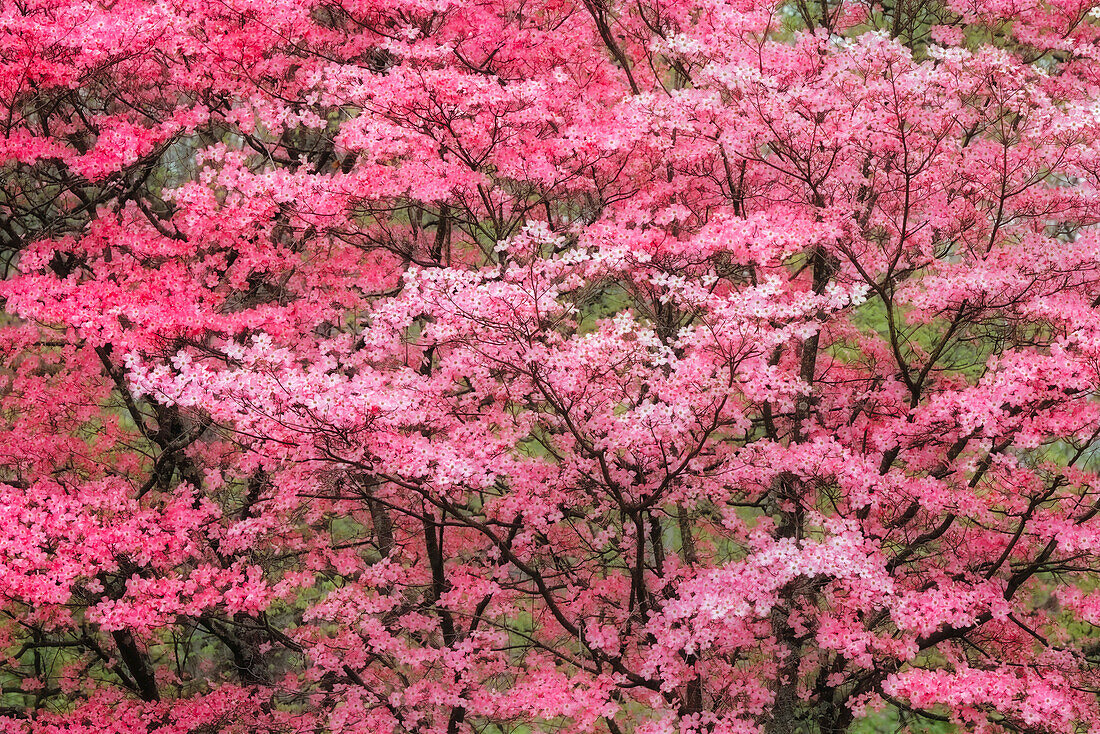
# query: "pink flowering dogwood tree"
491,366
